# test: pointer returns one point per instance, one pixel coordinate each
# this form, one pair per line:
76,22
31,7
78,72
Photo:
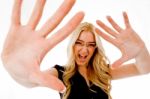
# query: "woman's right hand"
25,47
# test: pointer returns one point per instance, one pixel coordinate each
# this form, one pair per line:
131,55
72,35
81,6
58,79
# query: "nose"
84,51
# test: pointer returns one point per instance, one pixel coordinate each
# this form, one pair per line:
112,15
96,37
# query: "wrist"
143,61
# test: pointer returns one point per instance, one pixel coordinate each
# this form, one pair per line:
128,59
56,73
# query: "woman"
25,48
87,73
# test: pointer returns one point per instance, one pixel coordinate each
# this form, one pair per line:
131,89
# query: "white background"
129,88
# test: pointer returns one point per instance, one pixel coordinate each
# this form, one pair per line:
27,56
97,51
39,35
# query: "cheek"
75,50
91,52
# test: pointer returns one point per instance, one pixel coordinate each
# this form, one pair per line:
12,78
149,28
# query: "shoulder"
60,70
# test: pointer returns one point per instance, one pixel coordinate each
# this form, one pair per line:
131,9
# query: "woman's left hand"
126,40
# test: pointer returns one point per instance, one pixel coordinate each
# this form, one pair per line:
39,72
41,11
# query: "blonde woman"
88,73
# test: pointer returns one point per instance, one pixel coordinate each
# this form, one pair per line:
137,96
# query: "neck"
83,70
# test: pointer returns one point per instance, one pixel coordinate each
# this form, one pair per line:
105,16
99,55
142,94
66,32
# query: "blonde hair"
98,73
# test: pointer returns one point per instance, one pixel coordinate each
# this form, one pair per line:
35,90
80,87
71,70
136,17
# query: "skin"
126,40
83,53
25,47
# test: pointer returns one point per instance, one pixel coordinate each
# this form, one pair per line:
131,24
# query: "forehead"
86,36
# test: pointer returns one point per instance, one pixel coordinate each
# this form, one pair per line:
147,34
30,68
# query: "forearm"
124,71
143,61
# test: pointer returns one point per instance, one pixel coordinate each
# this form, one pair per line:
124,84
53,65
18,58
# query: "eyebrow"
87,42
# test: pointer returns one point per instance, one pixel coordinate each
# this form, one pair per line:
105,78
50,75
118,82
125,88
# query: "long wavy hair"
98,72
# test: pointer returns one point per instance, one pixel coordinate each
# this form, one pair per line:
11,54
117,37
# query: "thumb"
50,81
118,62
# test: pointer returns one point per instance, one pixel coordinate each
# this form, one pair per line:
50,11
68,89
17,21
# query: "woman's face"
84,48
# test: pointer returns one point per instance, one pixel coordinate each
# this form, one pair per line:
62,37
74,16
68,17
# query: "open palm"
126,40
25,47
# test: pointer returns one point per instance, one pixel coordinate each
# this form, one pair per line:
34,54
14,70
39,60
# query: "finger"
106,28
64,31
16,12
126,20
36,14
105,36
57,17
114,24
52,82
120,61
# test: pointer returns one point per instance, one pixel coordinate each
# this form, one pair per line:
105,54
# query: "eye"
78,43
92,45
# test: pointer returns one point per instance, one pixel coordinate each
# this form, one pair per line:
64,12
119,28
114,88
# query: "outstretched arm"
130,45
25,47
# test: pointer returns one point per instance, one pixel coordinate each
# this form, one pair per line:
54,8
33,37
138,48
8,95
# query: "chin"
82,64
